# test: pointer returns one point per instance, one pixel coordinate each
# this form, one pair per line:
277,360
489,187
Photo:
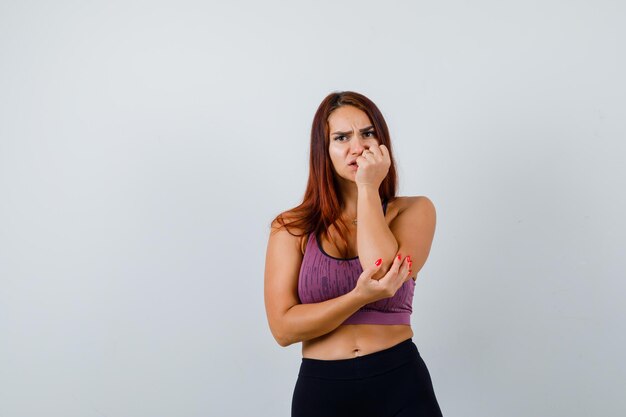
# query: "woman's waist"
354,340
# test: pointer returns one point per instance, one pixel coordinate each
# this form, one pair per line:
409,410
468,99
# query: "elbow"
281,341
384,268
285,331
279,337
282,337
288,338
387,262
284,340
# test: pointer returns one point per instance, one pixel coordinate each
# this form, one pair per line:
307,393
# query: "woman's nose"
357,146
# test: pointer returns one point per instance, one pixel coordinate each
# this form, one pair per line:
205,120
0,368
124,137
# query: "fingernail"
399,258
378,262
409,258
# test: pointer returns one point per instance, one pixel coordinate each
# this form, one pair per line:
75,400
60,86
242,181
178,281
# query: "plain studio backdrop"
146,146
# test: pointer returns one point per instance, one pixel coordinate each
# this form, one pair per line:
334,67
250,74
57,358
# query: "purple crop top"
323,277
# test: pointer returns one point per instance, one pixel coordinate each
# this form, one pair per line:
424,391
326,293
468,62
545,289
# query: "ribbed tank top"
323,277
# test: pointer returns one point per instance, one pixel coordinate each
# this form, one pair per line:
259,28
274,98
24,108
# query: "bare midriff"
351,340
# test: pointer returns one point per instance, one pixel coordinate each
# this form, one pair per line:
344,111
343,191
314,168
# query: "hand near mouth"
373,166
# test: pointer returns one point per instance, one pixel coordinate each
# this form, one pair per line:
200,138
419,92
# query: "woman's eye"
371,133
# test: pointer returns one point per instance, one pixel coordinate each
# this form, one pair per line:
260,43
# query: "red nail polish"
379,261
399,258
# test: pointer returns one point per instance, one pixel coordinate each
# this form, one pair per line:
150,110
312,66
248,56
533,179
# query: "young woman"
340,273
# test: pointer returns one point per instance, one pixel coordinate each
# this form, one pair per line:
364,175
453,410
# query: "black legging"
389,383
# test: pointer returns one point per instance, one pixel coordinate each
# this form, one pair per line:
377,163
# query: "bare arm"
374,238
307,321
289,320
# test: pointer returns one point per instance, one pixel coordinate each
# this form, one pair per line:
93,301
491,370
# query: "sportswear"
394,382
323,277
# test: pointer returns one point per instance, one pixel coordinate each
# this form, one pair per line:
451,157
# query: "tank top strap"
310,241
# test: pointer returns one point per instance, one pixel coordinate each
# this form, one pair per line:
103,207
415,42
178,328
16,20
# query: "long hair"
321,206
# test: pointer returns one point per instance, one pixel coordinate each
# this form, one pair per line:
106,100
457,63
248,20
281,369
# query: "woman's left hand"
373,166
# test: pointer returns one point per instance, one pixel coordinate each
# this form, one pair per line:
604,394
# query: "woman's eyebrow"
360,130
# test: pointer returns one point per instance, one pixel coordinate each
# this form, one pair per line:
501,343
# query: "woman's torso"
352,340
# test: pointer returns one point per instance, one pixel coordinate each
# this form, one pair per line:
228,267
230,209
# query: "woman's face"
351,132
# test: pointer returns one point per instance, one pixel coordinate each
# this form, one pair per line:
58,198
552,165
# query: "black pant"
389,383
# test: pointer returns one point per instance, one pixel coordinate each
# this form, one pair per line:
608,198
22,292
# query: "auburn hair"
321,206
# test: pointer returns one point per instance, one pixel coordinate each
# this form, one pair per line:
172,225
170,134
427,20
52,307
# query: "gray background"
145,147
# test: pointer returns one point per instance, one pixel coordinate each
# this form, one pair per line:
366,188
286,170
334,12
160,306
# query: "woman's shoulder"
286,223
401,203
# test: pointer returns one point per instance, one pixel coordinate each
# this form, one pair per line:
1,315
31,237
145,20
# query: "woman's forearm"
374,239
307,321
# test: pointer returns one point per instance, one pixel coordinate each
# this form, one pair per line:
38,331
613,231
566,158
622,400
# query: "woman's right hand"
369,290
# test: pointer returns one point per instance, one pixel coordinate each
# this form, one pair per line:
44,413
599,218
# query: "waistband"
372,364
